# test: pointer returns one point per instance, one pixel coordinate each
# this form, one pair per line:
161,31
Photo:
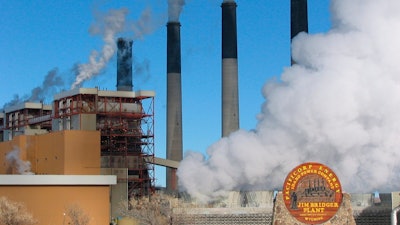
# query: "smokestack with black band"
124,65
174,102
298,18
230,95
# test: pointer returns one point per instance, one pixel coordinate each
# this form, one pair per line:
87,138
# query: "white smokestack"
15,162
339,105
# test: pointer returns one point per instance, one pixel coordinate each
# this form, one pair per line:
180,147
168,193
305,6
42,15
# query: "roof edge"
43,180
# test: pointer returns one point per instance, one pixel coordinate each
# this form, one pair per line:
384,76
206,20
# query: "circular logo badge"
312,193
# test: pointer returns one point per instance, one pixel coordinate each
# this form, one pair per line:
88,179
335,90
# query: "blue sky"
38,36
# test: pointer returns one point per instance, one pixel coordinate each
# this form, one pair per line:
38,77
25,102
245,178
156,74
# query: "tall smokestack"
124,65
230,96
174,102
298,18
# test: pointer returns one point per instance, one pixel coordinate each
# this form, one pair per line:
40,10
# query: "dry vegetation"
157,209
14,213
76,215
151,210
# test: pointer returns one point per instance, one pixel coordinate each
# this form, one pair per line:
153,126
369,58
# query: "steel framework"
126,124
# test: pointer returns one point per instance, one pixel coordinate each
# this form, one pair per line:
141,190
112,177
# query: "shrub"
14,213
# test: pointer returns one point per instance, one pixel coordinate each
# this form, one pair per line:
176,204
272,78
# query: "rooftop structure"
26,118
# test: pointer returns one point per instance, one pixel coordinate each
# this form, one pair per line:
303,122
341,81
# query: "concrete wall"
119,192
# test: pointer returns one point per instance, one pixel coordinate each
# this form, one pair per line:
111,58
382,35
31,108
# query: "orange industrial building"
122,120
86,132
72,158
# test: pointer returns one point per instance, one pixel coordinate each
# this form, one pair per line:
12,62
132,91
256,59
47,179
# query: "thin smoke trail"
174,9
52,83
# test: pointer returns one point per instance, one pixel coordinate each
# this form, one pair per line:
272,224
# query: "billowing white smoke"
108,26
15,162
339,105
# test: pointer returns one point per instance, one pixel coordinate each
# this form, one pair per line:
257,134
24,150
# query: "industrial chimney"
298,18
230,96
174,102
124,65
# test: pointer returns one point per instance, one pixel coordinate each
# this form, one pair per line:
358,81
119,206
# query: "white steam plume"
175,9
15,162
339,105
146,24
108,26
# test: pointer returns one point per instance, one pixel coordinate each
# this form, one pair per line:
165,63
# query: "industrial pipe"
393,217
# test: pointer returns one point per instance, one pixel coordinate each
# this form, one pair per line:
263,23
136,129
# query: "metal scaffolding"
126,123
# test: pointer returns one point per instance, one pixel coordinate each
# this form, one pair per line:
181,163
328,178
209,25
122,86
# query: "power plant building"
85,131
124,121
